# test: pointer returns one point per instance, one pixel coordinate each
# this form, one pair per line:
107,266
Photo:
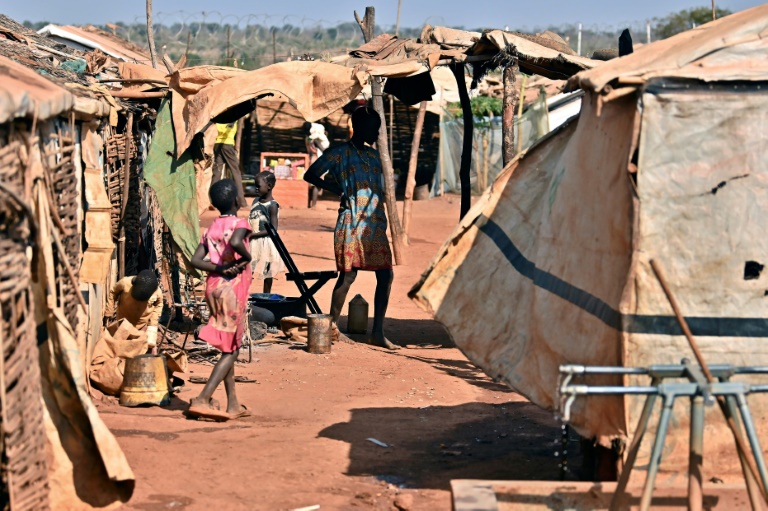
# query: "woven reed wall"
280,129
116,171
23,469
66,199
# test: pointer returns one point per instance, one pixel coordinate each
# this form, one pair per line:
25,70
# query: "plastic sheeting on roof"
93,41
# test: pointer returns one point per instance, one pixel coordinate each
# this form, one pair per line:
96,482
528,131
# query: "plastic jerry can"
357,319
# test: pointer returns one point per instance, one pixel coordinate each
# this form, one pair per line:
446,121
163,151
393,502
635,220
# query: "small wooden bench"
293,274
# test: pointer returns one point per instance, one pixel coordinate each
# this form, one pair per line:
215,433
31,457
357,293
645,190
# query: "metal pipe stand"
700,393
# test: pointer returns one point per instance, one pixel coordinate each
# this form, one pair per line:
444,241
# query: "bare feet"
233,407
201,402
380,340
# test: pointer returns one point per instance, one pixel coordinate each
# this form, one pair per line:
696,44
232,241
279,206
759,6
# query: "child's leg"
221,370
233,405
268,285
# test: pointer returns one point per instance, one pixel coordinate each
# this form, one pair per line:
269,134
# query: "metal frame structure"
700,392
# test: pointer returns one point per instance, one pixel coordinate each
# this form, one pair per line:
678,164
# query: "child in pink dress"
226,292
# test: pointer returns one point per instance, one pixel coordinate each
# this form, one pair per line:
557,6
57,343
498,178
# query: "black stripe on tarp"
630,323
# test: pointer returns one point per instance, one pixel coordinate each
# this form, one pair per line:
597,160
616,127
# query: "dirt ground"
308,440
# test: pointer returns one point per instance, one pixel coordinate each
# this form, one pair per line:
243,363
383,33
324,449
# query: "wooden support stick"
151,35
466,150
162,83
511,98
410,184
740,444
126,94
367,25
168,63
126,191
521,104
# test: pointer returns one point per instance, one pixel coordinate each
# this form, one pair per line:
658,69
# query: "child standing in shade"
265,259
226,293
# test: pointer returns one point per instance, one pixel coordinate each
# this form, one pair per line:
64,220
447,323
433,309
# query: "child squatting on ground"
139,300
266,262
226,293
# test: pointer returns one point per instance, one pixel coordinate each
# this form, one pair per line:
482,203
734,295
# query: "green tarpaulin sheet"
174,183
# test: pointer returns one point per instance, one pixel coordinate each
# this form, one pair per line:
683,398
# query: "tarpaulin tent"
667,161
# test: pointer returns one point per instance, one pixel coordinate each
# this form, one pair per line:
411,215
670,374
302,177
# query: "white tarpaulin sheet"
703,194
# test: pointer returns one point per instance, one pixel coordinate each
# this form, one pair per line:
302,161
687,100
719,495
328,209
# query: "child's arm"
237,242
311,148
273,214
156,307
198,261
114,299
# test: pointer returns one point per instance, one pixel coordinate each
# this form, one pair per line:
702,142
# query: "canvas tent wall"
665,161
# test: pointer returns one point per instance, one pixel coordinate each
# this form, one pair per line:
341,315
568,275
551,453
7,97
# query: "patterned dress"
227,298
360,240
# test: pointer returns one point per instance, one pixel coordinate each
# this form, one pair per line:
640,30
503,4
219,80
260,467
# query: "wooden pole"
239,140
151,35
521,104
126,192
410,184
130,94
740,443
714,11
511,97
229,42
367,25
274,45
466,150
397,25
391,125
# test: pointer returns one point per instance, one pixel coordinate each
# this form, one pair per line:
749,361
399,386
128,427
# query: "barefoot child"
265,259
139,300
226,293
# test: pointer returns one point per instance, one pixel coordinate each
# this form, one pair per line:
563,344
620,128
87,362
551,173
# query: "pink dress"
227,298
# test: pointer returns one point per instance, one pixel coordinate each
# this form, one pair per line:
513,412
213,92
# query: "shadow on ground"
405,332
422,340
428,447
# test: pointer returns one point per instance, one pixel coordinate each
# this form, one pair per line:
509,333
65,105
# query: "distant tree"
686,19
482,106
35,25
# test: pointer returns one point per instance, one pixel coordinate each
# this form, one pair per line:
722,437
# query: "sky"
518,15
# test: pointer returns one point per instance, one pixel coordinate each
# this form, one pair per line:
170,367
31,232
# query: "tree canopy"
686,19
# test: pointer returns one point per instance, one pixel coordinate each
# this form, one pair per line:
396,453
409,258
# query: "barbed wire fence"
258,39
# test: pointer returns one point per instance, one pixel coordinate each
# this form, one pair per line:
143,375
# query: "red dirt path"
306,442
